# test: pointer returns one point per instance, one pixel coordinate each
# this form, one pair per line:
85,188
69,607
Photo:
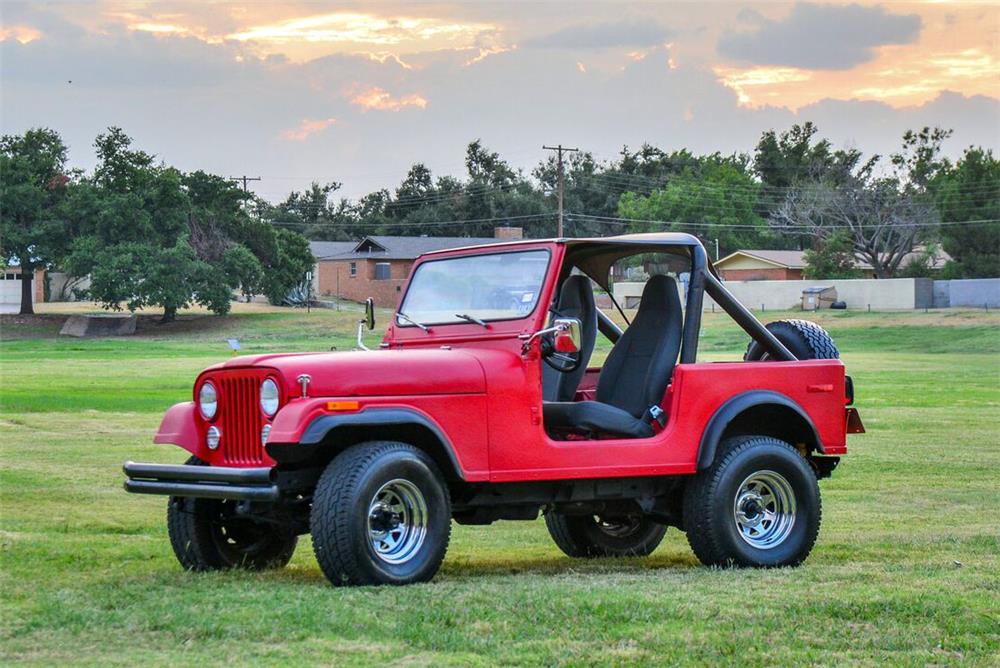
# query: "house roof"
794,259
324,249
404,248
787,259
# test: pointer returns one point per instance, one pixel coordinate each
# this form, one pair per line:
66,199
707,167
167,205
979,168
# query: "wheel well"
782,422
339,438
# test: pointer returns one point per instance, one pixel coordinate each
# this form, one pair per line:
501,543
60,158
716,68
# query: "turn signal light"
342,405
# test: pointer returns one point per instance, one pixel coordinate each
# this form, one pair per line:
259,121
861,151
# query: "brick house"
378,266
762,265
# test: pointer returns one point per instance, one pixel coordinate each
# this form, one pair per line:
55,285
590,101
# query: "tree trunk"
169,314
27,283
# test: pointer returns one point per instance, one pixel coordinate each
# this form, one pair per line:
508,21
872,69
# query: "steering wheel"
561,362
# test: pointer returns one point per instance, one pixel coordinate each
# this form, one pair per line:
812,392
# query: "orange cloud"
487,52
307,127
22,34
359,27
746,81
380,99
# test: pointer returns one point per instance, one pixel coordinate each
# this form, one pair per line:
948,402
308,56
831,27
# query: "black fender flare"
739,404
320,427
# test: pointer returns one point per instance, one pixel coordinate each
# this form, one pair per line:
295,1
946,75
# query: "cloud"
374,97
307,127
360,28
818,37
630,34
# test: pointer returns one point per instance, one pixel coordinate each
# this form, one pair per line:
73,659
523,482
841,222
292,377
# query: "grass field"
906,570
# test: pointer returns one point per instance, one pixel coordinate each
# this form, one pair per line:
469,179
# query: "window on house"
354,269
382,271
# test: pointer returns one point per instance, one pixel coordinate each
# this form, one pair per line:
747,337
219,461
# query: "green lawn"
906,570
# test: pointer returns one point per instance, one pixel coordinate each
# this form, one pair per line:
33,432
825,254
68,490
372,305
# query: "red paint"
482,391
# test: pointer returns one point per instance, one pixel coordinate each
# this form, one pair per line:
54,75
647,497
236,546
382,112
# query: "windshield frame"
541,288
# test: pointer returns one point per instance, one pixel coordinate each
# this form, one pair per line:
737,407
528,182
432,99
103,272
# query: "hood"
375,373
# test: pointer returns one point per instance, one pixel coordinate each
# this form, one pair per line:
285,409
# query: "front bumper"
206,482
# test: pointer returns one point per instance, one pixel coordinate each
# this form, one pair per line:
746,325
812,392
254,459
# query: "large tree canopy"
149,235
33,187
968,196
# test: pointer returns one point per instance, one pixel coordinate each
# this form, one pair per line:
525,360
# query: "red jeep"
481,405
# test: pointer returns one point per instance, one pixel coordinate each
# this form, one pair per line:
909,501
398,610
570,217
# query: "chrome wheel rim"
764,509
397,521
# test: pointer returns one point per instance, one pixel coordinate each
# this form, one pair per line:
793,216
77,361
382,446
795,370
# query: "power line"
244,179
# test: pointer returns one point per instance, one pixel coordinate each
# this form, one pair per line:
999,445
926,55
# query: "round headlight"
213,437
269,397
208,401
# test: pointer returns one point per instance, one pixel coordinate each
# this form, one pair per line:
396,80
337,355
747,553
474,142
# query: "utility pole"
244,179
559,161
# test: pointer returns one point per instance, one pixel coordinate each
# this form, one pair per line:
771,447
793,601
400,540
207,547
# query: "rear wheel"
207,534
381,514
600,536
806,340
757,505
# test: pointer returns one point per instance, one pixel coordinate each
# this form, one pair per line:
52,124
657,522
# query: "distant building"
10,288
788,265
769,265
378,266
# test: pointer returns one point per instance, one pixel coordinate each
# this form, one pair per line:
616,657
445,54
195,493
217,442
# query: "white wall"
859,293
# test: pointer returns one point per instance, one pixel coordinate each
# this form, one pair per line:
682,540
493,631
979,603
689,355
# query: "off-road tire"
806,340
204,540
584,536
339,520
711,496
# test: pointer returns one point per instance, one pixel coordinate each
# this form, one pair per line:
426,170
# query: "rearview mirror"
567,336
370,313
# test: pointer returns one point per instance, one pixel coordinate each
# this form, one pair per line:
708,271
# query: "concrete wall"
859,293
62,285
972,292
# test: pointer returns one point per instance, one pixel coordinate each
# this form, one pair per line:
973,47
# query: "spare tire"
806,340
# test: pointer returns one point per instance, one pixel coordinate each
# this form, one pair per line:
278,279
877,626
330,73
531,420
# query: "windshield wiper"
403,316
472,319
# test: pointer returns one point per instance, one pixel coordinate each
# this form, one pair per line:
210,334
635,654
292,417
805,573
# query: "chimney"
508,233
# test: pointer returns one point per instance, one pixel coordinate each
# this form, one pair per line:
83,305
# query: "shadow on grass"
467,570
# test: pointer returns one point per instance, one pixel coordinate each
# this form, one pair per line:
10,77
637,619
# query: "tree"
968,197
713,197
151,236
885,217
288,266
33,186
833,257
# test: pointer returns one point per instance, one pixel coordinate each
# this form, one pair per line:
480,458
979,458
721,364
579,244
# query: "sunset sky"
356,92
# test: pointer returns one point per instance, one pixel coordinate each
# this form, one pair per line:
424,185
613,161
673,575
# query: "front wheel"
208,535
757,505
381,514
599,536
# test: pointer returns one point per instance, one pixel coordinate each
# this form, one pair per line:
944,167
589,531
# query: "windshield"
500,286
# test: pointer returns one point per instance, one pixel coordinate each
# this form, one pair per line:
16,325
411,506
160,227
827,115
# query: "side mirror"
567,335
370,313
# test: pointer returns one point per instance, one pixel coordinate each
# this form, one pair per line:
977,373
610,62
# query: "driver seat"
636,373
576,300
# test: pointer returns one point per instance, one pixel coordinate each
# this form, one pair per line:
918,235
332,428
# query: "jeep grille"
240,418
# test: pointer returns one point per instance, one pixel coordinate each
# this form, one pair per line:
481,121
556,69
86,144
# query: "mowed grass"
906,570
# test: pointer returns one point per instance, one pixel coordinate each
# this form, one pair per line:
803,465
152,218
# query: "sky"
295,92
